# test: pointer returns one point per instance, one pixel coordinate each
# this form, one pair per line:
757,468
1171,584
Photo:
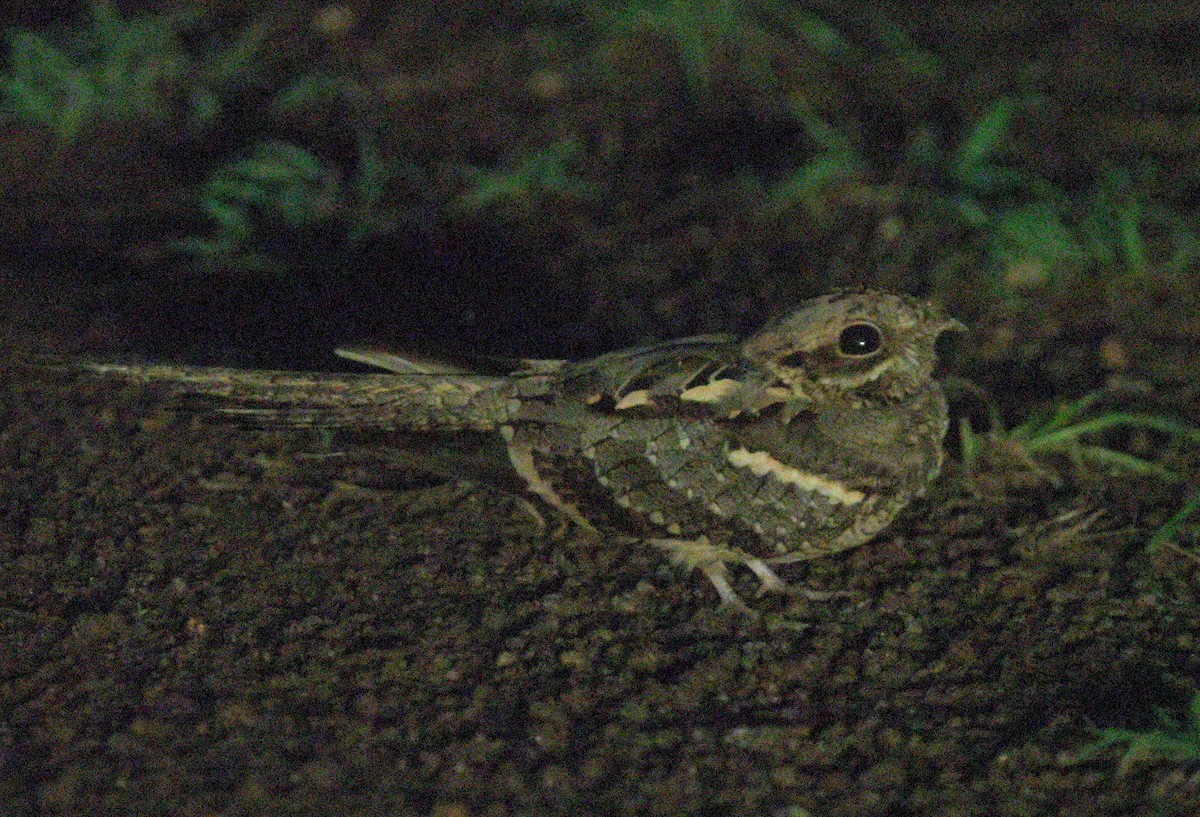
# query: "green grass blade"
1064,436
1168,533
1128,462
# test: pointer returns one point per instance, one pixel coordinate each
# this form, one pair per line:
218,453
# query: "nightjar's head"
874,345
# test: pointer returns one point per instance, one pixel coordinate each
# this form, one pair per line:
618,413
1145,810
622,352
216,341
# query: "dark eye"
860,340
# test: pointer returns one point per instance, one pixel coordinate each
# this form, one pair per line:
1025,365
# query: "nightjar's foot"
538,518
711,559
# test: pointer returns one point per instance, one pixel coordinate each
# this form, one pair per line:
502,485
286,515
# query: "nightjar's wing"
474,366
412,400
703,376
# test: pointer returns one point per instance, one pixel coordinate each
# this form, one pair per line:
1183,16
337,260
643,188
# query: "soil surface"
199,620
203,620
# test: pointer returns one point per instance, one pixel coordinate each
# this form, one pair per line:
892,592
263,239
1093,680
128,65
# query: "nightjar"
803,440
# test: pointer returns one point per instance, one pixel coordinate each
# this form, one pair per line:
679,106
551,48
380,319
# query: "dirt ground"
201,620
196,620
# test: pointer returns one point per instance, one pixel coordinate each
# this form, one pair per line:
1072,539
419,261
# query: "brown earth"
189,625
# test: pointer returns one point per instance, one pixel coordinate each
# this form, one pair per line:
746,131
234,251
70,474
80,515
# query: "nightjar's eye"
860,340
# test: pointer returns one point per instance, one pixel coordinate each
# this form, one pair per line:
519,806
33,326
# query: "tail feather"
413,400
399,364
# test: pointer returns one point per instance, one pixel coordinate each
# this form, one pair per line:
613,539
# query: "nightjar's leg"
520,454
539,520
769,578
710,559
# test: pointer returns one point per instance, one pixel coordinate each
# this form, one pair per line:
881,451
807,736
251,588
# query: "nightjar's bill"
803,440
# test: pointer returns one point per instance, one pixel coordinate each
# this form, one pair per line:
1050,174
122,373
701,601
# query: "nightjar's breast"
822,483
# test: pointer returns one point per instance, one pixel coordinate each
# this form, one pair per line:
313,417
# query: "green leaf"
1033,232
982,144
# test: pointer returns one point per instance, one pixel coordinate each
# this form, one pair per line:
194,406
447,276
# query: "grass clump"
736,43
117,70
550,171
705,32
1064,431
278,185
1031,230
1067,432
1176,741
281,189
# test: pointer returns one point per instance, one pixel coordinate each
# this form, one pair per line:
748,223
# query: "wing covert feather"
703,376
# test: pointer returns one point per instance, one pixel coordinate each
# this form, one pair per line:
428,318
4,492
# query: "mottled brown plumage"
803,440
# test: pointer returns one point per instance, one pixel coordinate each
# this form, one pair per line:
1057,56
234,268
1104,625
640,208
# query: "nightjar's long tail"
418,399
